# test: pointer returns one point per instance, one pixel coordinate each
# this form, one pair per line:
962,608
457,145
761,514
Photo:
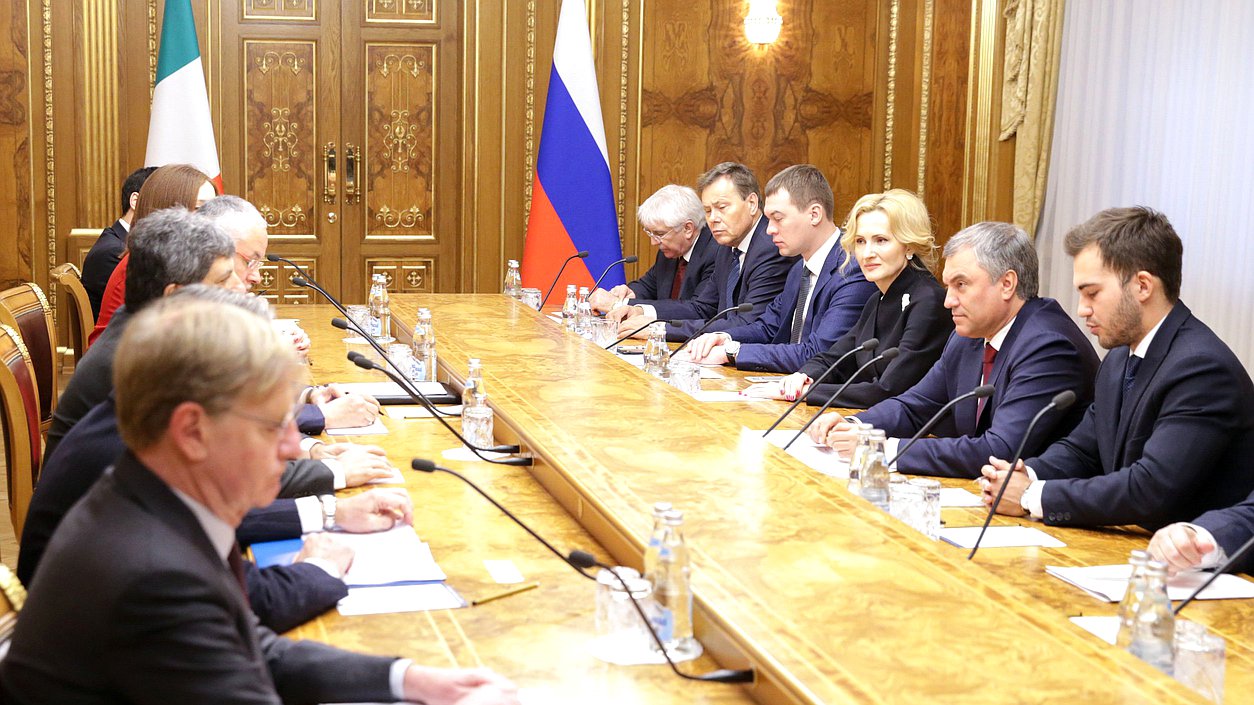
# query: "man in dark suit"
674,221
108,248
163,616
1171,431
1004,335
822,297
747,267
1208,540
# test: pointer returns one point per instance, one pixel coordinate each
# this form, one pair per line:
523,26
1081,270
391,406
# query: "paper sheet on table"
466,455
1105,628
555,317
958,497
400,598
634,360
816,456
391,389
1109,582
418,412
709,373
720,396
386,557
355,340
503,571
1000,537
375,429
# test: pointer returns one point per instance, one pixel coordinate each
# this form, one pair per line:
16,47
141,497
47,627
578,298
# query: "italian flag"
180,130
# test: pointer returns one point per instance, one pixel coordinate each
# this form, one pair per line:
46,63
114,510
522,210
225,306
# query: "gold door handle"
328,175
352,180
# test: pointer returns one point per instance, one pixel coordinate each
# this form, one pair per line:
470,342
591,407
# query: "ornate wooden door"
337,116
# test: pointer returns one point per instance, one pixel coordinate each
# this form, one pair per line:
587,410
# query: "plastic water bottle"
380,313
474,383
427,355
1154,627
570,309
655,539
1132,598
672,588
874,473
583,314
657,354
858,458
417,371
513,280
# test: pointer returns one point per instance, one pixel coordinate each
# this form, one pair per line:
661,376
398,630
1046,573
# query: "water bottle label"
664,624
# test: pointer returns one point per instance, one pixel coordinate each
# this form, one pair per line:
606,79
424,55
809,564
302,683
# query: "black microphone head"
582,254
354,356
870,344
274,258
746,307
1063,399
982,391
630,259
339,323
361,361
423,465
580,559
298,280
890,353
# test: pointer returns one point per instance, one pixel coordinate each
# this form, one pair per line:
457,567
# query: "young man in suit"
163,617
1005,335
673,220
108,248
822,298
1171,430
747,267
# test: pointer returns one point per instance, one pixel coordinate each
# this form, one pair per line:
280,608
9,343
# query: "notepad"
1000,537
1109,582
375,429
400,598
814,455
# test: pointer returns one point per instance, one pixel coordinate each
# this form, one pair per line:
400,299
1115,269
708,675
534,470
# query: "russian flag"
572,199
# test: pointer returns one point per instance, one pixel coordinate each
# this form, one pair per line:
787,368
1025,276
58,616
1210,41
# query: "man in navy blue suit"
674,221
747,267
824,293
1004,335
1171,430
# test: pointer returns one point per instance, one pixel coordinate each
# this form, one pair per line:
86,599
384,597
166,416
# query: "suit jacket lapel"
1153,359
666,271
970,365
828,276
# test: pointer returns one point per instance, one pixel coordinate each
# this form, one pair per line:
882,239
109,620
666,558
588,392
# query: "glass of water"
532,298
685,376
477,425
604,331
1200,660
360,316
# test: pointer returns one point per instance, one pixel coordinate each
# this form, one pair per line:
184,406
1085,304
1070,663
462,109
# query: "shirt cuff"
890,451
647,310
307,443
1031,499
396,678
337,472
1215,557
309,509
326,565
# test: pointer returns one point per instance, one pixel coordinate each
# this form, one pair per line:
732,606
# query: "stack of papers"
814,455
1000,537
1109,582
375,429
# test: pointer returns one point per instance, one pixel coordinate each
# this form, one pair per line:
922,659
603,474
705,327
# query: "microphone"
583,559
349,326
742,308
1061,401
428,466
616,342
578,255
980,392
629,259
868,345
1245,548
367,364
886,355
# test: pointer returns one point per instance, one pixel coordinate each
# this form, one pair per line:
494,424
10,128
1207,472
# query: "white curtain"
1156,108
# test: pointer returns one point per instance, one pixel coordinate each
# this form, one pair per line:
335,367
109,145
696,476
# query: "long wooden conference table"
829,599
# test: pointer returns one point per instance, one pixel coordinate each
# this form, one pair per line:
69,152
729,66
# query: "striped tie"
732,278
799,313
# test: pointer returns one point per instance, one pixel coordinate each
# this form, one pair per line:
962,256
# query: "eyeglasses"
655,237
278,428
253,264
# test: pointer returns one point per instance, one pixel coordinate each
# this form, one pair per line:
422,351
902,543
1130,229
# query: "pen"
512,591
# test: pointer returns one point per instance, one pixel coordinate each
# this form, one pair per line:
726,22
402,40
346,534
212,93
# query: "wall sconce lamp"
763,22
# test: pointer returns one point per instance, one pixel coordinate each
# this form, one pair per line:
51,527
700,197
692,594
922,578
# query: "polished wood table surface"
826,597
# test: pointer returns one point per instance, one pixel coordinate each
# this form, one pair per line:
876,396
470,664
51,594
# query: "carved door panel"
400,126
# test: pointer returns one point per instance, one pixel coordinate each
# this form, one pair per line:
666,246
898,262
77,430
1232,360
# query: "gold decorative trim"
925,92
891,93
152,48
390,218
980,104
412,65
50,156
283,217
624,58
313,15
12,588
101,108
529,112
435,14
271,59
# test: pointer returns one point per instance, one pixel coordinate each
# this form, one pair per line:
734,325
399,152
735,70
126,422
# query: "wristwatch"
328,512
730,348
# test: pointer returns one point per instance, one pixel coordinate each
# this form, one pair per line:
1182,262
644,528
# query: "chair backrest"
82,320
19,416
26,309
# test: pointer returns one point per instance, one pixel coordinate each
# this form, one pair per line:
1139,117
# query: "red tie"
236,563
990,354
679,278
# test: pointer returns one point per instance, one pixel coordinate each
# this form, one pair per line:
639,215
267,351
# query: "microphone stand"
1245,548
349,326
868,344
980,392
625,337
886,355
741,308
578,255
630,259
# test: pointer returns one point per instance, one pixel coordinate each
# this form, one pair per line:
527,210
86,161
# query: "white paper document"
633,360
375,429
466,455
418,412
503,571
391,389
386,557
720,396
814,455
400,598
1000,537
958,497
1105,628
1109,582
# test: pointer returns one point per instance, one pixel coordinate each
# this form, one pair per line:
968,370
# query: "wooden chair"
81,319
26,310
12,597
19,412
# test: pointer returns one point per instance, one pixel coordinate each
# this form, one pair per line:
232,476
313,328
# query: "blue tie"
1129,373
732,277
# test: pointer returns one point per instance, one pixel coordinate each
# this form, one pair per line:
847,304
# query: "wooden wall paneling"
988,178
944,169
18,63
95,81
